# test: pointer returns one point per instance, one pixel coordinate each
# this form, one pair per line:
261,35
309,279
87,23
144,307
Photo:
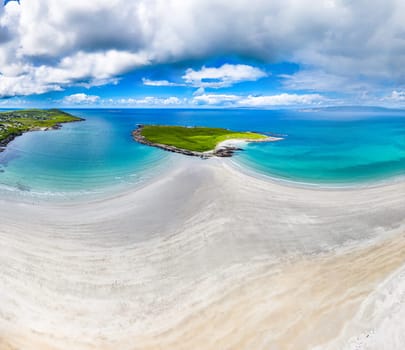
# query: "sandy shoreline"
195,258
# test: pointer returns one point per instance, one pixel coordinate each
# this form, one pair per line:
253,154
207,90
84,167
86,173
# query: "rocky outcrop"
226,151
7,140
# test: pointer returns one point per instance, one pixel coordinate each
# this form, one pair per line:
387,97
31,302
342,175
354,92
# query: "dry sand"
205,257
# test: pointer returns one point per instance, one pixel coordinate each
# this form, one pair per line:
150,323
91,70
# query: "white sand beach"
206,257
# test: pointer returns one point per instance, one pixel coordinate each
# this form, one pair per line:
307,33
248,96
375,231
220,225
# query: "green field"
15,123
198,139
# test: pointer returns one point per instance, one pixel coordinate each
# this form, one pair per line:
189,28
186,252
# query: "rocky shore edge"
11,137
223,149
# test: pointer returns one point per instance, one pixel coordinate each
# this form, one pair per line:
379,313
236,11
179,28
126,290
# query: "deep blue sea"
320,146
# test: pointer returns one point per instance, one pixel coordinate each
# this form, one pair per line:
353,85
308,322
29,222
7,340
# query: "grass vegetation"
15,123
198,139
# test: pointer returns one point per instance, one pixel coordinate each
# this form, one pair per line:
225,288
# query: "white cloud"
149,82
85,69
47,44
397,96
261,101
146,101
395,99
24,84
229,100
80,99
213,77
224,76
215,99
282,100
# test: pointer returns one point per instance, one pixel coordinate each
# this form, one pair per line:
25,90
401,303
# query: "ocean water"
333,146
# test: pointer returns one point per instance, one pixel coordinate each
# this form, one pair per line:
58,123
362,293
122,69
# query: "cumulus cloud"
261,101
85,69
282,100
213,77
229,100
224,76
146,101
80,99
396,98
150,82
48,45
216,99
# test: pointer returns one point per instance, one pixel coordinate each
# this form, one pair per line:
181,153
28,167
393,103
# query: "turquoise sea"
321,146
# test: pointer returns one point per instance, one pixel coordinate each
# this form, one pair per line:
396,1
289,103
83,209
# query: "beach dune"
203,257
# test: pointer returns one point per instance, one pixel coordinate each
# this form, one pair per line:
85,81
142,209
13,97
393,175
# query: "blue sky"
202,53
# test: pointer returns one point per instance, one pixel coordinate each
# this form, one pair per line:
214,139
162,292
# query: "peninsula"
200,142
15,123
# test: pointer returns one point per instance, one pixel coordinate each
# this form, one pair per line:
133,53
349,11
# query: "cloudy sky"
202,53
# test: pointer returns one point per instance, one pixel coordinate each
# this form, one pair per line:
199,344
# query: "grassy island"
196,141
15,123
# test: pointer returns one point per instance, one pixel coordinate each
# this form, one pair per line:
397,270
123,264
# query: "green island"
196,141
15,123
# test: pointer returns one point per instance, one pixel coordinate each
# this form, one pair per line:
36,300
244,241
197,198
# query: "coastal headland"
205,257
200,142
15,123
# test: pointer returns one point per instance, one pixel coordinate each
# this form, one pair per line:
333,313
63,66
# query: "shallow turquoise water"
319,150
81,157
324,146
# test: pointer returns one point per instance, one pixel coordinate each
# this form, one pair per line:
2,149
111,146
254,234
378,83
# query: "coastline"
141,179
223,149
10,138
369,183
243,254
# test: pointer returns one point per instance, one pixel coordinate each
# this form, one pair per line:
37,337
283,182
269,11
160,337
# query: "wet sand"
204,257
